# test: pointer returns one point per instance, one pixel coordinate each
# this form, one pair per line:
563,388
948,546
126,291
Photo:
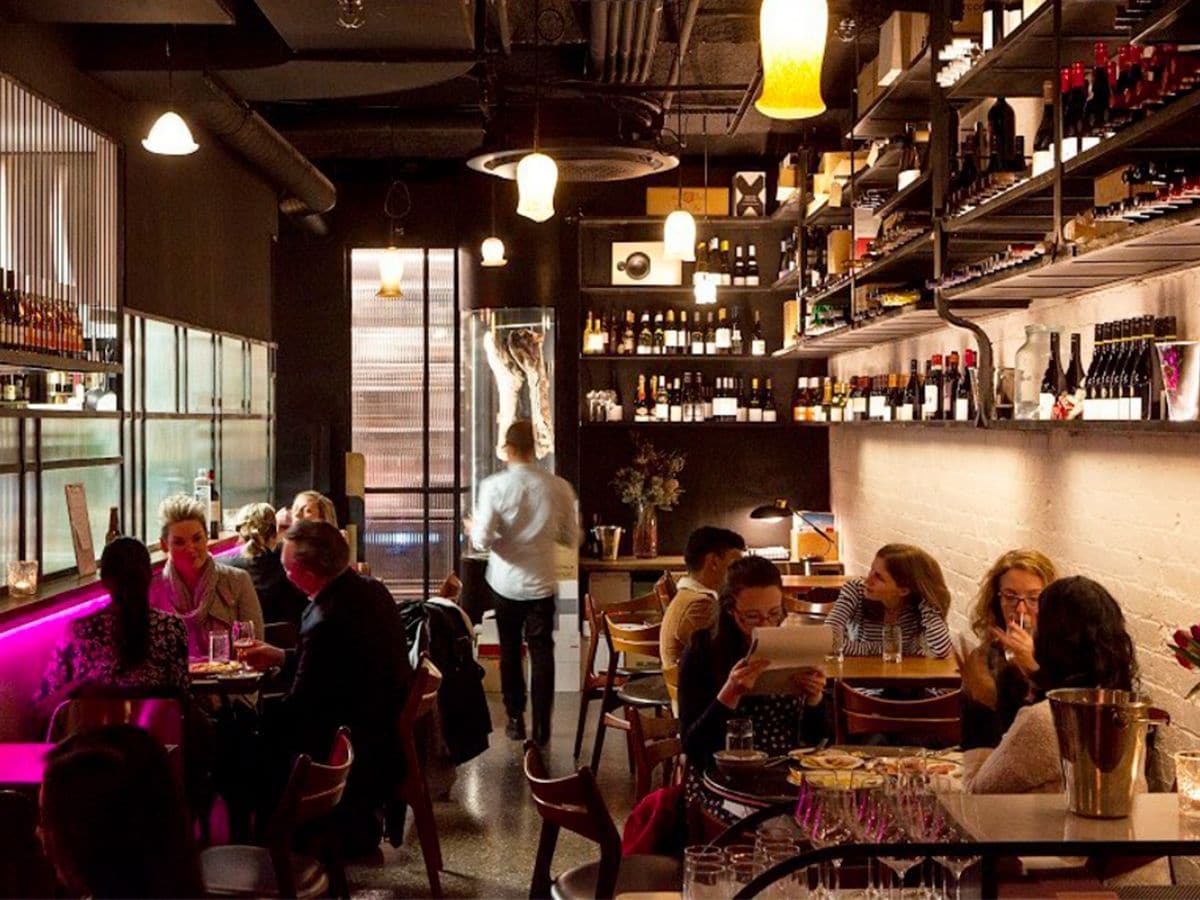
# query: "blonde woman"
996,674
281,600
313,505
904,587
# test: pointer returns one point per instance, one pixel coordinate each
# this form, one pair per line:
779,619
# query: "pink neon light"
23,764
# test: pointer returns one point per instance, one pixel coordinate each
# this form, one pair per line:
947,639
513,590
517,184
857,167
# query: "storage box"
749,194
901,38
868,87
663,200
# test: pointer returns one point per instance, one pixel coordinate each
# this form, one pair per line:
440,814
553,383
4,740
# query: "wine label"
797,413
751,281
962,410
710,349
724,339
644,350
1123,409
903,413
676,414
836,414
877,407
670,340
755,414
740,414
858,407
697,348
769,414
662,412
1045,407
1135,409
818,414
929,407
758,348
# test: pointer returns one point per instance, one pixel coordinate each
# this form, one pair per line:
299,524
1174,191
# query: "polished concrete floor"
489,827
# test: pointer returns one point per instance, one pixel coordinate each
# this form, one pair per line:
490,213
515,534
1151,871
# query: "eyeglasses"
1013,598
755,619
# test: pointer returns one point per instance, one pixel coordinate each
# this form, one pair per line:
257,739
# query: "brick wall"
1123,509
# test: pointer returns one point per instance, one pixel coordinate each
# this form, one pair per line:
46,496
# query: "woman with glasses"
904,587
716,681
996,674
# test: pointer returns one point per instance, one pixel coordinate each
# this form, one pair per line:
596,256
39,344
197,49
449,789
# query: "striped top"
925,631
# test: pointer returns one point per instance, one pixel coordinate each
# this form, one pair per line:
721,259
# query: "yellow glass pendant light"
792,36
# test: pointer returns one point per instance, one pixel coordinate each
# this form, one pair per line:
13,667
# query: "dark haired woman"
715,679
113,819
1081,642
126,645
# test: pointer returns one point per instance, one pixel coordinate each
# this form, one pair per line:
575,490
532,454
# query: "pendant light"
391,260
492,248
679,229
704,289
792,36
537,173
170,135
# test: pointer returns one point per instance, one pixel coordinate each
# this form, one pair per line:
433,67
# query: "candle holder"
1187,774
23,577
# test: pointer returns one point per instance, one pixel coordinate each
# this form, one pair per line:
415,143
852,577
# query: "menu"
789,649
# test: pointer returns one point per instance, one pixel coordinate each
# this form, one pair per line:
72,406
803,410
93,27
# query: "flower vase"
645,532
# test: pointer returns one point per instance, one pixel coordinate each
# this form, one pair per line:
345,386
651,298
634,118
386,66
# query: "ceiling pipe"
622,39
656,14
747,99
305,191
685,41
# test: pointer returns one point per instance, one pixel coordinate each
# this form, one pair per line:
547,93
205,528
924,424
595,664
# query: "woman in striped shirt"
904,587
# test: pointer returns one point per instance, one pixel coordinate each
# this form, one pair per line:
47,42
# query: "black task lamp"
779,510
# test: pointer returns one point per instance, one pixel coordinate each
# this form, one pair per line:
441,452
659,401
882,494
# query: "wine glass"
243,637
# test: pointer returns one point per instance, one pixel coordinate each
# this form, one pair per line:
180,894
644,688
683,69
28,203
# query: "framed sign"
81,529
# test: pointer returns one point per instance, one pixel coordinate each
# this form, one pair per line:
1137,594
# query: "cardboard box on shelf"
868,86
663,200
901,38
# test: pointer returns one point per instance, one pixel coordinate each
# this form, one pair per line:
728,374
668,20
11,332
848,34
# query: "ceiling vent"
581,163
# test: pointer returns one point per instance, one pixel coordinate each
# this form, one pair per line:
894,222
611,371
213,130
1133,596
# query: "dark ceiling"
439,79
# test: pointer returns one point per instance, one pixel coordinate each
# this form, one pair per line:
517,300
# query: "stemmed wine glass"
954,865
892,831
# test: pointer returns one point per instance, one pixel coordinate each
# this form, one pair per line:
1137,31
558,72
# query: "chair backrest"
656,738
161,717
422,694
284,635
806,606
573,802
632,636
936,719
644,603
665,590
313,789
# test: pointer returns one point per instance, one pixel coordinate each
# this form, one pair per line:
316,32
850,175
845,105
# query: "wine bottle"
587,334
662,403
726,268
723,335
798,401
1142,380
1091,381
641,408
1044,138
1002,126
670,336
951,385
933,388
769,413
1053,381
675,401
697,336
914,399
737,345
1075,367
710,337
616,411
645,340
1100,97
758,343
739,267
700,270
752,276
754,410
964,396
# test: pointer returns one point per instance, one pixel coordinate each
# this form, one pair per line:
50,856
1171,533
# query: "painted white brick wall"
1122,509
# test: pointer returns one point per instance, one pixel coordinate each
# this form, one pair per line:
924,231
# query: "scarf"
195,607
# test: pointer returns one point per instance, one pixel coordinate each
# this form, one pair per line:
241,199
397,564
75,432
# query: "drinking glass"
243,637
705,879
893,643
838,651
739,735
740,872
701,854
218,646
1008,654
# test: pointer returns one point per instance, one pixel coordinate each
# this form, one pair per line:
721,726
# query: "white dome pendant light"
170,135
537,173
491,250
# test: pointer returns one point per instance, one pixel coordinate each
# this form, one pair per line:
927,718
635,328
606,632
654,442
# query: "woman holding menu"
716,679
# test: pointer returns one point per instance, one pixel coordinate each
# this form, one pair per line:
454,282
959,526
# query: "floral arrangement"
1170,362
1187,650
652,479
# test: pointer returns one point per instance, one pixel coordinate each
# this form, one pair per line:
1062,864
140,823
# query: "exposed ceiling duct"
624,38
305,191
582,163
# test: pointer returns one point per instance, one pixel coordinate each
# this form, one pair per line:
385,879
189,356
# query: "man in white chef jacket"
522,513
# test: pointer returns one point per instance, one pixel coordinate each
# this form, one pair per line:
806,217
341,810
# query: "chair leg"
585,701
629,751
431,845
539,885
607,702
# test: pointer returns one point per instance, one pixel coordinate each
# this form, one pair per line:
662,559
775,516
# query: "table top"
834,582
631,564
648,691
242,683
1001,818
22,765
872,671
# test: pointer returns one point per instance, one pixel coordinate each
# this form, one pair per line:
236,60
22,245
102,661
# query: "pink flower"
1184,661
1196,632
1182,638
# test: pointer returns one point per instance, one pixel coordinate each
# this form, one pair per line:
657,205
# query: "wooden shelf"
666,425
667,358
19,412
22,359
905,100
1019,64
915,196
1073,426
1164,244
1177,21
680,291
702,222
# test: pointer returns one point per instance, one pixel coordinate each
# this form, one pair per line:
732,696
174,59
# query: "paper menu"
789,649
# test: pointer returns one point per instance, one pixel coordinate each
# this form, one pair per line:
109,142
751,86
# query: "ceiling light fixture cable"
537,173
679,228
391,260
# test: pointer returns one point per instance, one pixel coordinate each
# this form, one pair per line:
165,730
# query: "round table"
648,692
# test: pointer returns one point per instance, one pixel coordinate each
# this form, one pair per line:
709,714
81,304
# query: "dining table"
911,671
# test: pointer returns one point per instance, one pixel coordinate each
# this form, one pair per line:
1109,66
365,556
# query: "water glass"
739,735
740,872
218,646
838,650
705,879
1009,656
1187,774
893,643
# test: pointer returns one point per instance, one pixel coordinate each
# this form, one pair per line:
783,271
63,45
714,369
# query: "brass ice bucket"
609,537
1102,739
1179,365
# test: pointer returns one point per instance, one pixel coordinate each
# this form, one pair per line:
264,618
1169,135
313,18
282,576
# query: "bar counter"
30,627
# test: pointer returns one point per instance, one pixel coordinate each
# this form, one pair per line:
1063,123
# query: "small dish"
831,761
739,760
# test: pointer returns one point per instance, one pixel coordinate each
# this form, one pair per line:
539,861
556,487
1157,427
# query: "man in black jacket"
352,669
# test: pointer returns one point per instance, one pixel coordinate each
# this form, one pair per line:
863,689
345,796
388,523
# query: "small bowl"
739,760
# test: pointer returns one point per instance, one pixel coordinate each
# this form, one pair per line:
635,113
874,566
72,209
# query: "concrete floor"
489,827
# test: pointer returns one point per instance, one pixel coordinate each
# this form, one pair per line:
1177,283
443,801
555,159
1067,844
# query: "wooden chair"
665,590
655,741
161,716
805,605
574,802
626,633
937,720
413,791
591,681
312,792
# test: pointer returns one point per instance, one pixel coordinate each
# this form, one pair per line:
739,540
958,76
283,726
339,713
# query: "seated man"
709,553
352,669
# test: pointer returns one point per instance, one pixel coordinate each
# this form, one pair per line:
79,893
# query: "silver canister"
1102,739
609,537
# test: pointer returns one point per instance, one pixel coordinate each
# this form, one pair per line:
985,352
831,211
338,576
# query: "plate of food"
845,781
912,765
831,760
217,668
800,752
739,760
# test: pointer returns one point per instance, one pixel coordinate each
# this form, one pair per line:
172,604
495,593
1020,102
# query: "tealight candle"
23,577
1187,774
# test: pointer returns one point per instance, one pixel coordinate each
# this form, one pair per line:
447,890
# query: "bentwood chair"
574,802
312,793
591,680
627,634
413,791
656,743
160,716
930,720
